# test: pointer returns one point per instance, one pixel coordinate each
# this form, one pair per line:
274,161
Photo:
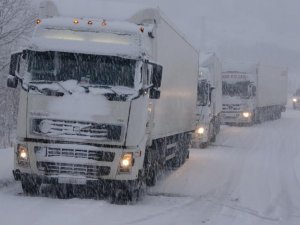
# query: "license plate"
71,180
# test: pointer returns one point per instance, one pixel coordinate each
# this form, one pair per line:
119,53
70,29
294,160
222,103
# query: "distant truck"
209,100
296,99
106,103
253,93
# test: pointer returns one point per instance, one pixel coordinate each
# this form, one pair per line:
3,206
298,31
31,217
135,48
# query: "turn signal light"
104,23
38,21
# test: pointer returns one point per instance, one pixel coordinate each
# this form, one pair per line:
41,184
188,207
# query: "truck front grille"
78,153
50,168
231,107
79,129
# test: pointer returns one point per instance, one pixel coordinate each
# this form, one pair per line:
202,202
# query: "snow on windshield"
86,69
236,89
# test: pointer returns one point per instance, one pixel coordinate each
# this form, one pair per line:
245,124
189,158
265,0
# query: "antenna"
203,33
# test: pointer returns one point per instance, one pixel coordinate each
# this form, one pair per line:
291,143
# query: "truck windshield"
239,89
90,69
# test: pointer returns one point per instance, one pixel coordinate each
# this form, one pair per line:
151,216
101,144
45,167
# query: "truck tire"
176,162
203,145
30,186
64,191
151,176
128,193
213,138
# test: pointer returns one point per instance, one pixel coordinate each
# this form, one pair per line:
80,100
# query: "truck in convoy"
106,102
253,93
296,99
209,100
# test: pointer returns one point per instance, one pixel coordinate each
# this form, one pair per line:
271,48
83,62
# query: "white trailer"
106,101
209,103
253,93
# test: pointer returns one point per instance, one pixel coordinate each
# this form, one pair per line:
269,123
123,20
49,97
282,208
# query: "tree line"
16,25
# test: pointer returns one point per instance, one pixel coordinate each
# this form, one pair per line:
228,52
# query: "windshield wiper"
51,82
106,87
45,91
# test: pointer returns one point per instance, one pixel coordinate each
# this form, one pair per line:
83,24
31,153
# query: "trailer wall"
271,86
175,111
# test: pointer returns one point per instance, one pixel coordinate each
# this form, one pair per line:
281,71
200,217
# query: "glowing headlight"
126,162
295,100
22,155
246,114
200,130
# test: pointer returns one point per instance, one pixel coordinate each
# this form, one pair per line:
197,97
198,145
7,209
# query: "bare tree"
16,24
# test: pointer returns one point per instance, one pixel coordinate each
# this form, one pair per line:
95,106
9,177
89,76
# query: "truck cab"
209,101
239,102
96,96
87,100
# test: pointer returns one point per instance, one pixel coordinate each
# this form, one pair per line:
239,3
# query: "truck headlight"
295,100
126,162
22,155
246,114
200,130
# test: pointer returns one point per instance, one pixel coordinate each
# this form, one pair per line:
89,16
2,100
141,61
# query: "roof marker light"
38,21
75,21
104,23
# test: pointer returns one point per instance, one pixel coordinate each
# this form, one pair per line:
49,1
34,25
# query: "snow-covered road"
250,176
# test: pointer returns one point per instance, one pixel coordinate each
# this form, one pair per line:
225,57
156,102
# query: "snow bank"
6,165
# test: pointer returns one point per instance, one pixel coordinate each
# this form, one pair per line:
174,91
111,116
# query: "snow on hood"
75,88
234,100
85,105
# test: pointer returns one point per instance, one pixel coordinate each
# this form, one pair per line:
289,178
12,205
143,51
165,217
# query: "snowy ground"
251,176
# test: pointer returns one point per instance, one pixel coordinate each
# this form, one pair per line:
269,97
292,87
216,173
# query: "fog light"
126,162
246,114
295,100
201,130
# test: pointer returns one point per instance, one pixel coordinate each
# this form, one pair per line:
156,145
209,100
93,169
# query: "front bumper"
198,139
72,163
296,105
235,118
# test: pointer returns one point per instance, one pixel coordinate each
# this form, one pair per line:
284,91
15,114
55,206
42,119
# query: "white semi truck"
106,102
253,93
209,100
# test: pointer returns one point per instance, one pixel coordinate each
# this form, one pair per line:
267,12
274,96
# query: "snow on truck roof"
109,10
58,31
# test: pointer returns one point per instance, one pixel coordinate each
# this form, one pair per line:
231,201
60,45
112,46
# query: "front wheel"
128,192
30,186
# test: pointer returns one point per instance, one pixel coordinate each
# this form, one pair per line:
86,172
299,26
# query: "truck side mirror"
210,93
254,91
14,69
154,93
157,75
14,66
12,81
